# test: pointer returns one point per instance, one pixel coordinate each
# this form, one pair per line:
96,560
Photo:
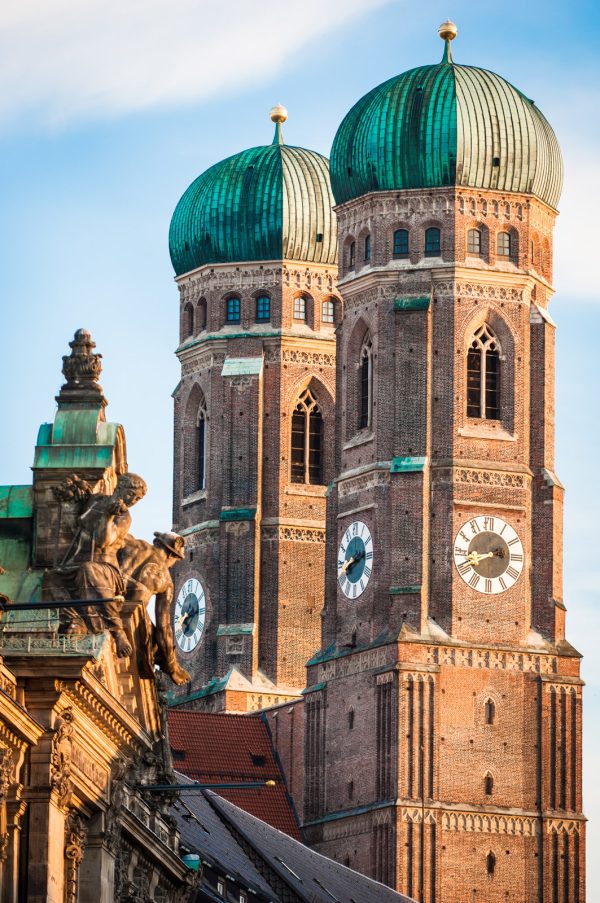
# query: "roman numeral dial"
488,554
355,560
190,615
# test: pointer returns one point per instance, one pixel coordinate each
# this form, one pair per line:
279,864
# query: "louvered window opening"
483,375
233,310
400,243
366,384
307,441
201,453
263,308
432,242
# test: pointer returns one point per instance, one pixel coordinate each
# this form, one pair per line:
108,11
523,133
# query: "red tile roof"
222,747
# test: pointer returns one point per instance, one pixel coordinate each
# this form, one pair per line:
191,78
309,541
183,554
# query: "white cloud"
69,58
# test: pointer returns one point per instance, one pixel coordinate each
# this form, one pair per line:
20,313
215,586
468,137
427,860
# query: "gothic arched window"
474,241
490,864
490,711
328,311
504,245
400,243
201,312
352,255
488,784
432,242
366,383
367,248
233,310
188,321
201,446
483,375
263,308
307,441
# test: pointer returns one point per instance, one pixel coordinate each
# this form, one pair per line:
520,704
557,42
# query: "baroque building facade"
253,241
441,718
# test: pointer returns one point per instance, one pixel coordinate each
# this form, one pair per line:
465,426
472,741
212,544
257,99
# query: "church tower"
443,713
254,245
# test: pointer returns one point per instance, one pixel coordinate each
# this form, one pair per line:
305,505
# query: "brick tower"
254,245
443,713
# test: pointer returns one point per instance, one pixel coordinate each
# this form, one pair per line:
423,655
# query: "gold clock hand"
475,558
348,563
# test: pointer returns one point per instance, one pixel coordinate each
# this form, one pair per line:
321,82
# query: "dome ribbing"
446,125
266,203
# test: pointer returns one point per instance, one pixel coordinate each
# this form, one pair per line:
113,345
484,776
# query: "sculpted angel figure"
146,570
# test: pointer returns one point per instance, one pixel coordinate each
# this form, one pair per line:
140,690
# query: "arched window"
300,308
504,244
188,321
307,441
351,719
201,437
474,241
483,375
263,308
233,309
201,315
350,790
400,243
488,784
367,248
490,711
366,383
490,864
352,255
432,242
328,311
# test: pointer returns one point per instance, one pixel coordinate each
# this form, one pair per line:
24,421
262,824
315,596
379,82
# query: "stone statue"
91,568
145,568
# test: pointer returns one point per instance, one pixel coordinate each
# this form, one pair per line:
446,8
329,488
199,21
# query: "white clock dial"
190,615
488,554
355,560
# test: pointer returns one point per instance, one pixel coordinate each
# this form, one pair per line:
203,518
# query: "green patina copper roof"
265,203
446,125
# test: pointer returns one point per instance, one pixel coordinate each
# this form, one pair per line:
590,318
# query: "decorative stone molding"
75,841
564,826
489,478
415,816
233,277
300,356
293,534
479,823
7,765
478,290
493,659
60,758
354,664
363,482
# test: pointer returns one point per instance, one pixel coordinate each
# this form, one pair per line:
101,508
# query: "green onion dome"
446,125
265,203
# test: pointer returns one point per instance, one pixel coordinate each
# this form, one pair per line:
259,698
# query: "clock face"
488,554
355,560
190,612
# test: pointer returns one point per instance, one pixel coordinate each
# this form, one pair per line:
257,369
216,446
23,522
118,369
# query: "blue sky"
109,109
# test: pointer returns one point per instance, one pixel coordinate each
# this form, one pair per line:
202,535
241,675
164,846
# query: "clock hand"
475,558
348,564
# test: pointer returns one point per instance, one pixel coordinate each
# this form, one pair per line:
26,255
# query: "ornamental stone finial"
81,369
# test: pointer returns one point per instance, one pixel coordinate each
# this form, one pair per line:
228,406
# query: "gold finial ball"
447,30
278,113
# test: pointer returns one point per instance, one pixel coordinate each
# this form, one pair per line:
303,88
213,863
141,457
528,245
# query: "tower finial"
447,32
278,115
